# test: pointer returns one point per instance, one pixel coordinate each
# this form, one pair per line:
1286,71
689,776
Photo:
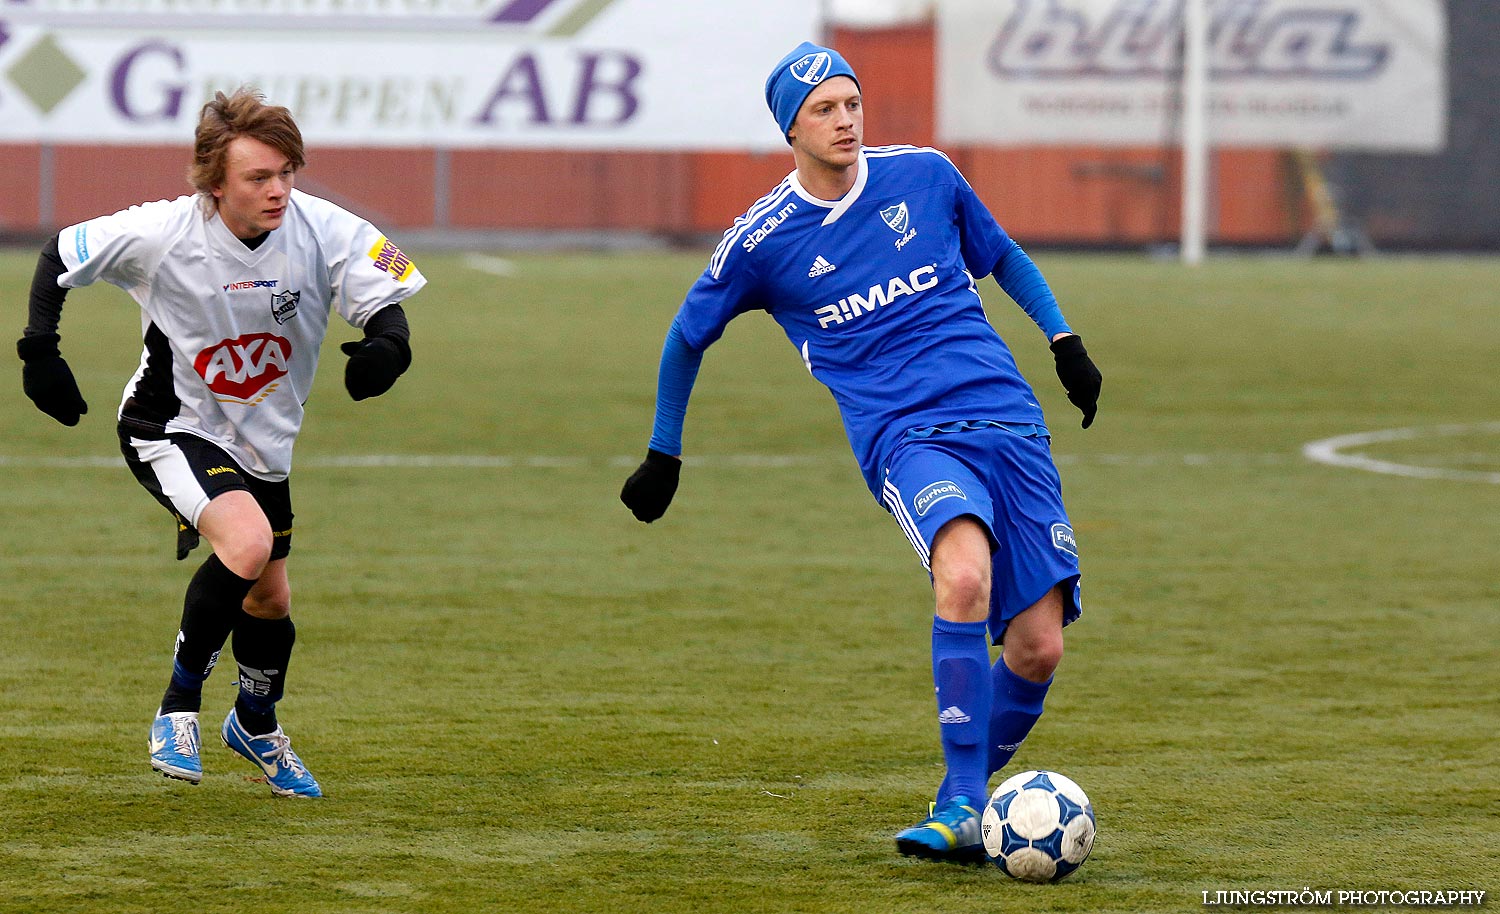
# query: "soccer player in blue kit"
867,258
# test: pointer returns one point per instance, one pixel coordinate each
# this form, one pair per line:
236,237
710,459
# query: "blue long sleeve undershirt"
1022,281
674,385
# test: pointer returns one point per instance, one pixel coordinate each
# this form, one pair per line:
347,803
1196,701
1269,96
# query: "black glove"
650,488
374,365
48,380
1078,375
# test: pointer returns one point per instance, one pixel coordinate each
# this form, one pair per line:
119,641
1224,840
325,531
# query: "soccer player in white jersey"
867,257
235,285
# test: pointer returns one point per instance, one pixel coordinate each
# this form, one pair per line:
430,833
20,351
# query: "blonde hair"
243,113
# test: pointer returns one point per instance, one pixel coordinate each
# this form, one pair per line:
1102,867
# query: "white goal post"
1195,147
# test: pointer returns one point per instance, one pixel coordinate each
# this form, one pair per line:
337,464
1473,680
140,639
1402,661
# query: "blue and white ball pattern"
1038,826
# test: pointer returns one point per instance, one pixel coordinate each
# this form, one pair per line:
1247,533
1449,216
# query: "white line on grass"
1330,451
485,263
732,461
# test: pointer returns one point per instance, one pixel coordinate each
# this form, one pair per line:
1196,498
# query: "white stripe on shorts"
170,467
897,506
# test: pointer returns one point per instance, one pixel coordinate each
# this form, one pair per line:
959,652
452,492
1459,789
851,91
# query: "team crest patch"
284,305
390,259
1063,541
935,493
897,217
812,69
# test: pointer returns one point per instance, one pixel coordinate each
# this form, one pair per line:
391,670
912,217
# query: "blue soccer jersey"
876,291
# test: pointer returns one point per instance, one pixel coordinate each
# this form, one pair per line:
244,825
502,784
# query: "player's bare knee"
277,605
246,553
1035,656
963,593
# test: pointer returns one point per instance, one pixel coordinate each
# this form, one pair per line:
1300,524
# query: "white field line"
474,461
494,266
1331,452
730,461
1328,451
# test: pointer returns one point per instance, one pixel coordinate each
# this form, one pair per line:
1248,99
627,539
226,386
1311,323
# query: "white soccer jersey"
231,334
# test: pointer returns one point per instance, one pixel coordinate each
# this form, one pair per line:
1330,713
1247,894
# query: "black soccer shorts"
184,472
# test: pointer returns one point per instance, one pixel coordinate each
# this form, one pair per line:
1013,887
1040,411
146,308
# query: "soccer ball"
1038,826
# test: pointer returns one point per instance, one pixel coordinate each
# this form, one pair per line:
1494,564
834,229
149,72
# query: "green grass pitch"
520,699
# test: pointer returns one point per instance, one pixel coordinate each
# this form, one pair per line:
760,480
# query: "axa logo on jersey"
857,304
240,368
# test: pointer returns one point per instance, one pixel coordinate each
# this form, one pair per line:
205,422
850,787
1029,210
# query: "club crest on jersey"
284,305
812,69
1063,541
244,368
389,258
898,217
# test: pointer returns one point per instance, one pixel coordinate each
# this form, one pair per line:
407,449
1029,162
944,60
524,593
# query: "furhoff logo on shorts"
240,368
935,493
1062,539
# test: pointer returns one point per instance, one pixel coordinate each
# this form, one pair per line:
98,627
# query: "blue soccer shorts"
1009,484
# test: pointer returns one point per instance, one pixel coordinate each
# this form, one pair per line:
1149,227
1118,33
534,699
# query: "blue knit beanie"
794,78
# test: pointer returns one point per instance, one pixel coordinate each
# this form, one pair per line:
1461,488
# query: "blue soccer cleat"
272,754
950,832
174,746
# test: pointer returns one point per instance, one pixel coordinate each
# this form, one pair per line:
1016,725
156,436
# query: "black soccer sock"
262,648
214,598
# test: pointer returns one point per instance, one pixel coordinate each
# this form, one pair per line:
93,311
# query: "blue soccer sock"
960,669
1017,705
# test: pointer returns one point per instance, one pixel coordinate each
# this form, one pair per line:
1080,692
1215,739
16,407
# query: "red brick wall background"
1042,195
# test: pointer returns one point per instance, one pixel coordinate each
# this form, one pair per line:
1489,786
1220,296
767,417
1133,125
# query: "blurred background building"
1344,125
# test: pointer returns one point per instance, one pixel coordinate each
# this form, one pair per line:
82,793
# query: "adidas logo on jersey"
953,714
820,266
